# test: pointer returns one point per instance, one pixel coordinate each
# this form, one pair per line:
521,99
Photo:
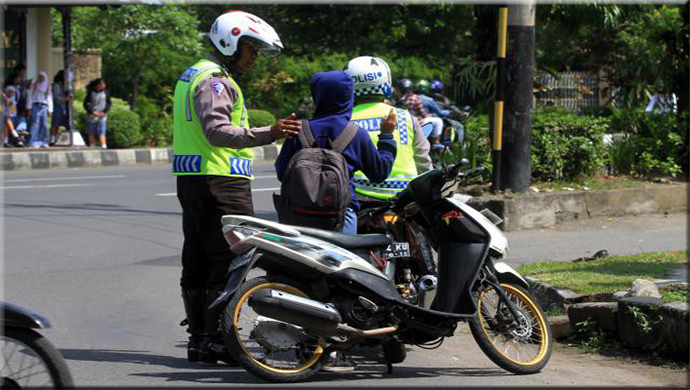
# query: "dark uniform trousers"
206,255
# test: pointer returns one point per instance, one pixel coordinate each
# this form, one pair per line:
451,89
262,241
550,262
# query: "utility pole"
67,58
499,98
517,137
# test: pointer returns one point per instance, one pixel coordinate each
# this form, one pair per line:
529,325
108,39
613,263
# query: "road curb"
530,211
55,159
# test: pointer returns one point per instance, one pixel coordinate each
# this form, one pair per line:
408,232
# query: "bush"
124,129
79,114
478,143
653,144
566,146
156,123
260,118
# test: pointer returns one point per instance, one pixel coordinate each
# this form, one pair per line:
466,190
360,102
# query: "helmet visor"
265,48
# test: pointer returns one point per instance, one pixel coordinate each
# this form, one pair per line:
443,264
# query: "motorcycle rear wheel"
30,360
521,348
248,337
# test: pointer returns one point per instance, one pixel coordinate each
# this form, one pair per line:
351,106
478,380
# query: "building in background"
27,39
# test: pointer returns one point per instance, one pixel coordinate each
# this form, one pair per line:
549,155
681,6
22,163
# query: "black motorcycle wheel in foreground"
326,292
29,360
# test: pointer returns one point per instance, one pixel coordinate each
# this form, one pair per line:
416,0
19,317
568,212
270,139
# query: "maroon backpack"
315,191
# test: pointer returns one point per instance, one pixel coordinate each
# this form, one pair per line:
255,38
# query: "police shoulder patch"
218,88
188,74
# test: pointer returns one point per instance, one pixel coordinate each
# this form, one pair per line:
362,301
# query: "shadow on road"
197,373
111,208
125,356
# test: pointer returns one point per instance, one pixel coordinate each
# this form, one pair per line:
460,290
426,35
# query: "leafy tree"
639,47
144,47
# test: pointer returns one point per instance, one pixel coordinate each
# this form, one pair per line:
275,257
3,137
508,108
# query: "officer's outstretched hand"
286,128
388,124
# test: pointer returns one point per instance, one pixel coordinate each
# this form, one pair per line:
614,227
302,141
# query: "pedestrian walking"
213,162
97,104
40,101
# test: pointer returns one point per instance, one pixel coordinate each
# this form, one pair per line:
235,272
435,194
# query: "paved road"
97,252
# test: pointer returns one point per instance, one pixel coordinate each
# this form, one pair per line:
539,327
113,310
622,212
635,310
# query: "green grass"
674,294
609,274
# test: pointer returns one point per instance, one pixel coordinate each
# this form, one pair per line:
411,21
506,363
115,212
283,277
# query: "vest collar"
218,62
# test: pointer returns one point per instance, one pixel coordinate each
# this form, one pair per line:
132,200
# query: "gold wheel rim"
537,319
291,290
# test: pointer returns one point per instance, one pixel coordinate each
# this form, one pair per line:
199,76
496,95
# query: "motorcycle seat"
347,241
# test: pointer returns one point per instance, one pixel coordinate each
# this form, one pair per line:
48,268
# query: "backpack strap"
345,137
306,137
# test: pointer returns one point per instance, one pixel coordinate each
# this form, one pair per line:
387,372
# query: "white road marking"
45,186
265,189
66,178
254,190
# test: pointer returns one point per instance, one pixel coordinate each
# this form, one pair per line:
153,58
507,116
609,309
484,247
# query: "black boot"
195,309
213,347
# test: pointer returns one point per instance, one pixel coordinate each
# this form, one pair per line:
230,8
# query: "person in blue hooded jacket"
333,95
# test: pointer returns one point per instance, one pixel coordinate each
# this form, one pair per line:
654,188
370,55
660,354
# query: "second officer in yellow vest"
373,84
213,161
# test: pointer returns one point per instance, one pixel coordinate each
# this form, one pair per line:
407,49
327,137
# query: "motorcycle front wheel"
521,346
29,360
269,349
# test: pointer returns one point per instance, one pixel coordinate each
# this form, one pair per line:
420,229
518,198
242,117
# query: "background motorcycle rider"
436,93
434,112
213,164
373,86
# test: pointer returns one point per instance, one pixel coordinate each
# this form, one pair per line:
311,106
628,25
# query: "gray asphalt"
97,252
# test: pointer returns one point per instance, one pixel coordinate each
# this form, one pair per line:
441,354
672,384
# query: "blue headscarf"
333,94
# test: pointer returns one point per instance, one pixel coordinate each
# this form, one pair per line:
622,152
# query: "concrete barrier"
528,211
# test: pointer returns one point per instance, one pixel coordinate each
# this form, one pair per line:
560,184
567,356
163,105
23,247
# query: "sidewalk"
12,159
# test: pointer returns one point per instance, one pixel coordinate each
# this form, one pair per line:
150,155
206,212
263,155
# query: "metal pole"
499,98
67,56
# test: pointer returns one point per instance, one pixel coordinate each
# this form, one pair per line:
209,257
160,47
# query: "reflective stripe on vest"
192,153
369,117
186,163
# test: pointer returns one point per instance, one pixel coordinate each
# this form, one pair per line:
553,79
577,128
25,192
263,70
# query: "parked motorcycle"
29,359
322,294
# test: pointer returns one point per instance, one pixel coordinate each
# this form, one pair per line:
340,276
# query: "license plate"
397,249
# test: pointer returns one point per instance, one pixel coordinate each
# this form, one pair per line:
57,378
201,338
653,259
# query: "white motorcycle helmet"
228,28
371,76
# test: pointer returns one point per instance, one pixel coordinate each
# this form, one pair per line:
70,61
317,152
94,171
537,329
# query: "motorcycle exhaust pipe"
428,283
315,316
427,287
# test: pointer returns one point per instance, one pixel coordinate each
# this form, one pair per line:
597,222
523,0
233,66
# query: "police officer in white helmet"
213,162
373,84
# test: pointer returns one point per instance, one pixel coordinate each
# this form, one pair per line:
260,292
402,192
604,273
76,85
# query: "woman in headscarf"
39,100
333,94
